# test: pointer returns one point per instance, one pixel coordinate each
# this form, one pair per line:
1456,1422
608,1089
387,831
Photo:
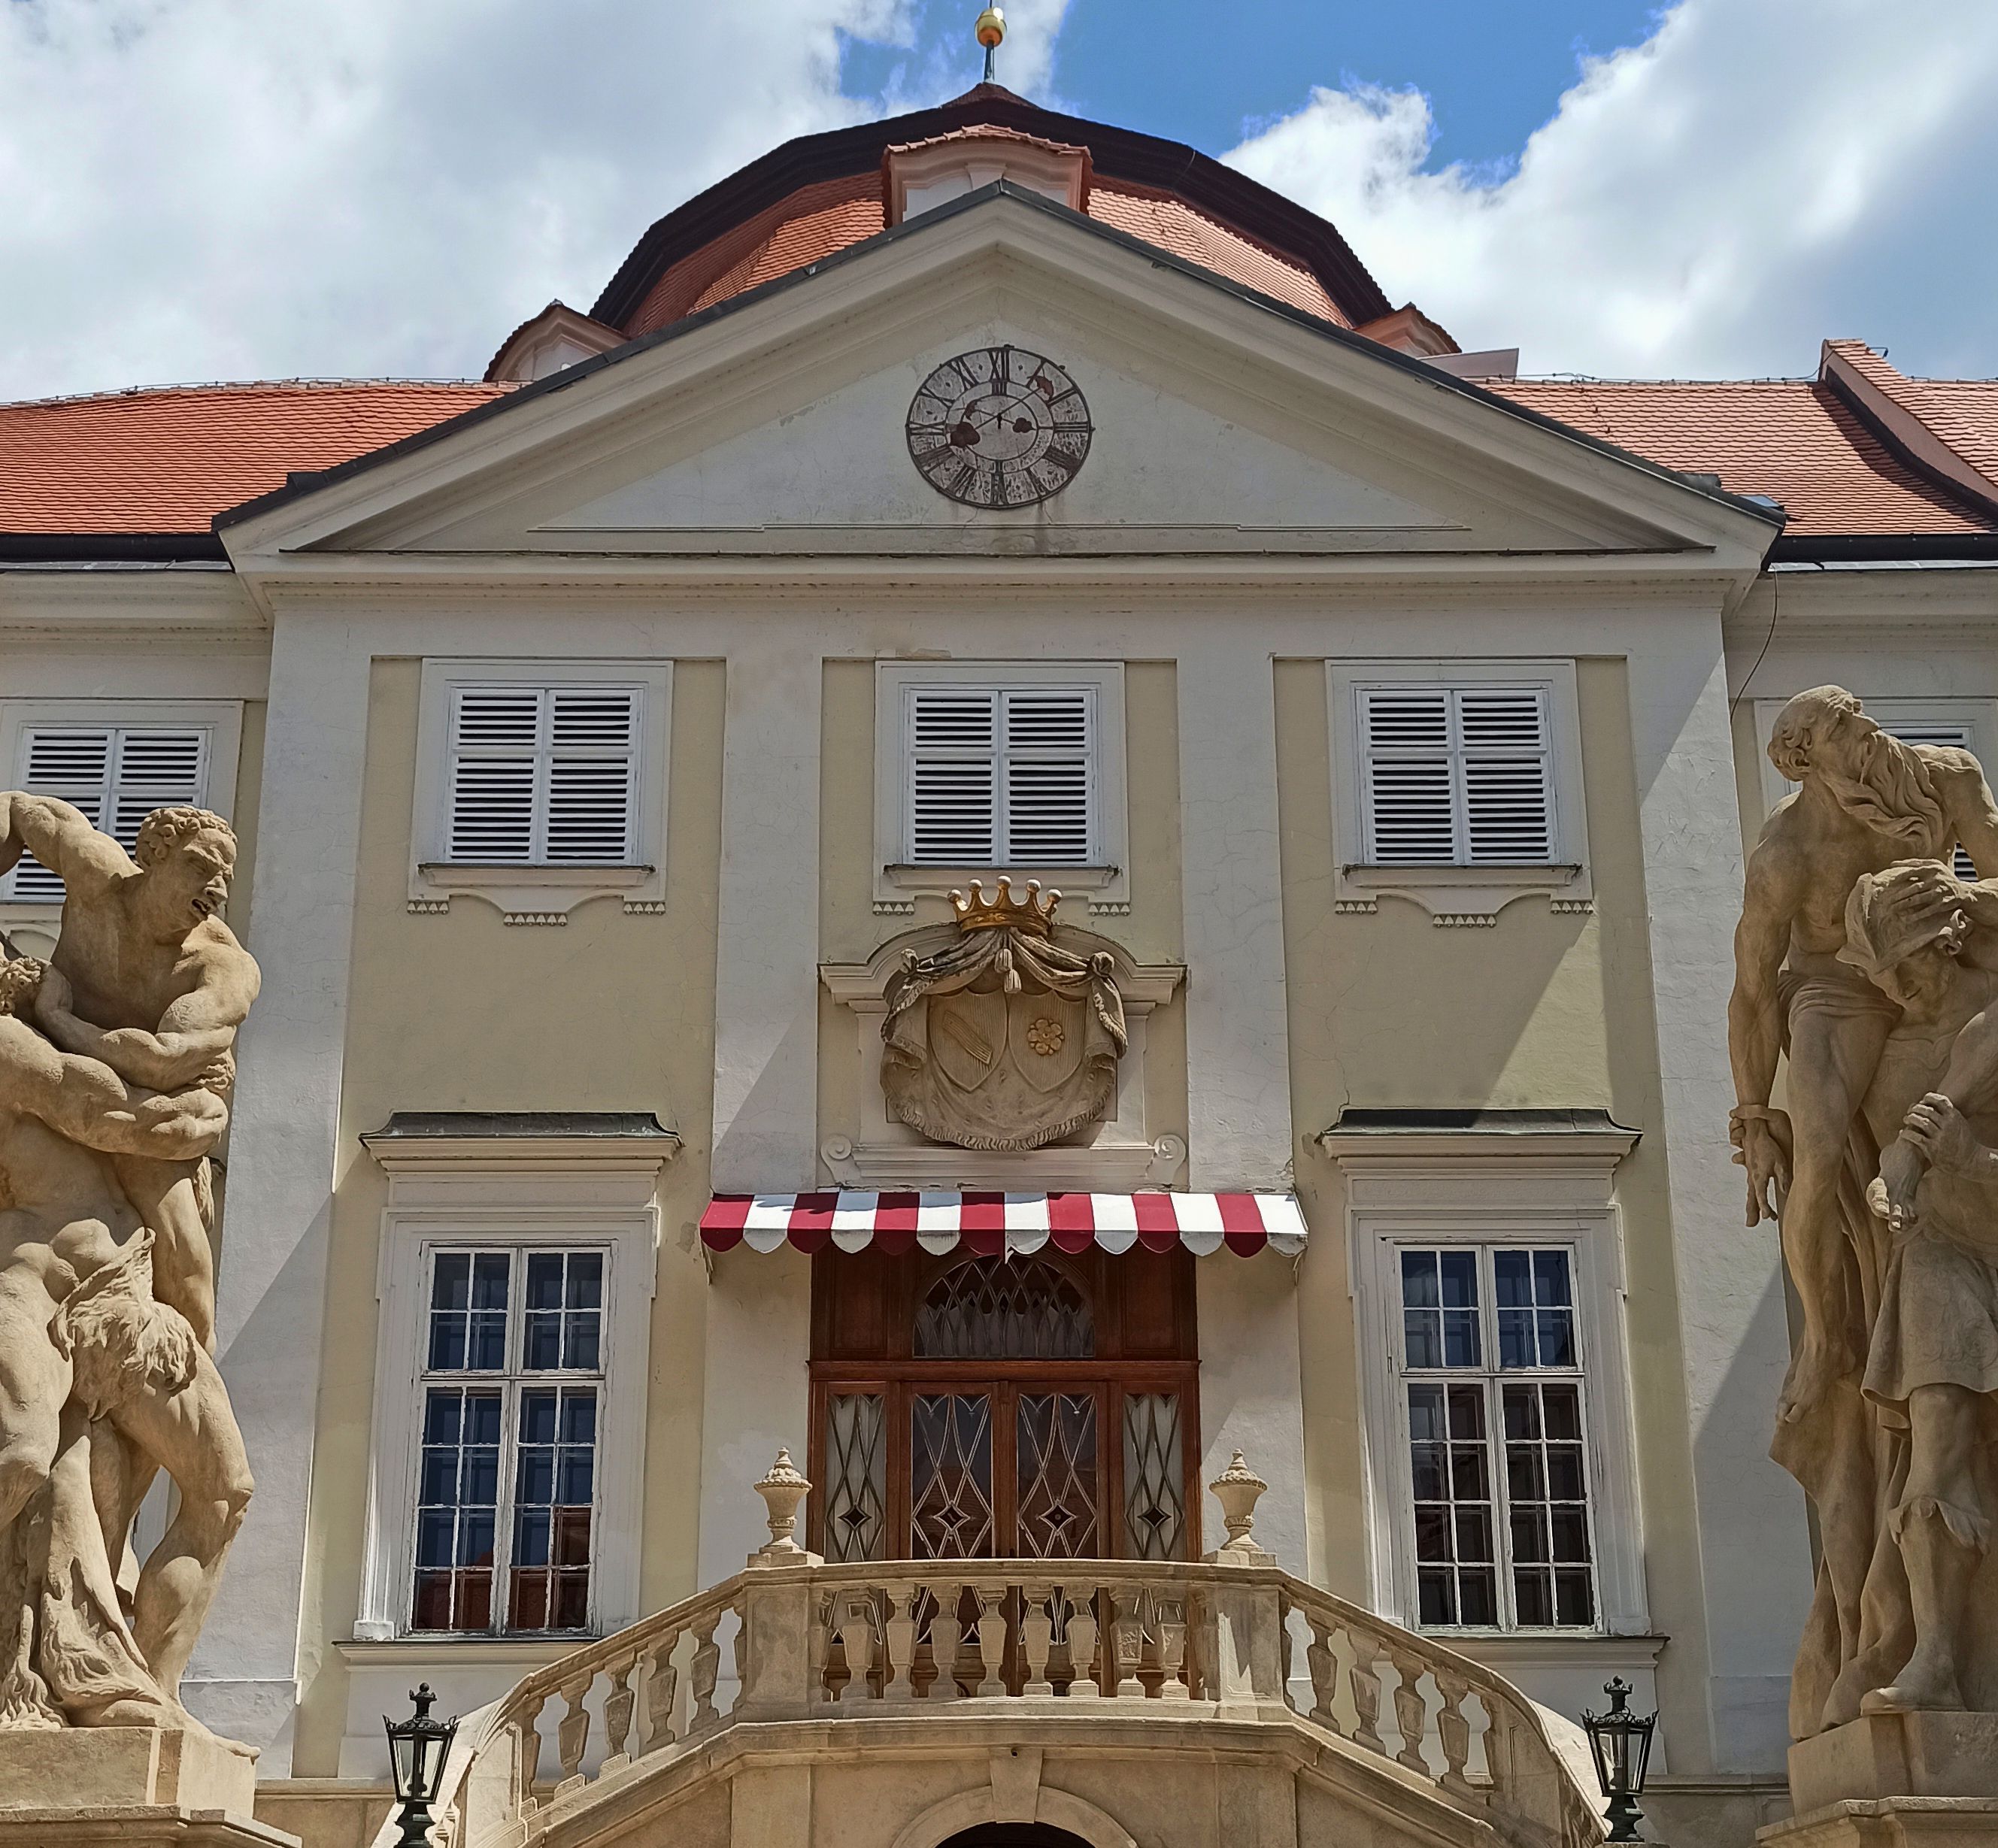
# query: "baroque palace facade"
653,768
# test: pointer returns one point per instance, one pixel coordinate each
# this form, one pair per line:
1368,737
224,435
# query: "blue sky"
1211,74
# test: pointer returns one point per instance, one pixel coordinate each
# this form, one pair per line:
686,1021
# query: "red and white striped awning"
987,1224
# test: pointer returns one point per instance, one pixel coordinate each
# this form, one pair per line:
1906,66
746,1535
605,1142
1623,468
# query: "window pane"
1418,1280
1421,1337
1154,1493
856,1494
1546,1483
1455,1541
458,1477
1459,1274
553,1496
1512,1279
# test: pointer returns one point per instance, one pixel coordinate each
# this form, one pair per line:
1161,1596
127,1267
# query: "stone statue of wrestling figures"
1863,956
117,1061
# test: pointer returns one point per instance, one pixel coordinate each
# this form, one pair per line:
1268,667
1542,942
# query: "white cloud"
1758,175
245,188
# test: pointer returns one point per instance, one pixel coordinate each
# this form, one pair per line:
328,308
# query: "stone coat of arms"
1003,1039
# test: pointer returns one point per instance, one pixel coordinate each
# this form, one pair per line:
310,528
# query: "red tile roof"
169,461
1963,412
1795,440
831,216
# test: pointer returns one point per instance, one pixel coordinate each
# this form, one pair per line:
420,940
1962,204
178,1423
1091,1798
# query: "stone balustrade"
1236,1638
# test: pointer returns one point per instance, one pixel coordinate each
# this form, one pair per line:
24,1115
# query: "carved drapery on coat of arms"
1002,1039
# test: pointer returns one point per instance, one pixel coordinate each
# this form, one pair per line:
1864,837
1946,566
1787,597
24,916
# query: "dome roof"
822,193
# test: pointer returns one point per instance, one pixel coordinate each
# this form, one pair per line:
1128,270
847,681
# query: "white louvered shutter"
1456,776
1508,782
542,775
117,774
1410,806
1050,763
953,776
592,783
1001,776
1957,736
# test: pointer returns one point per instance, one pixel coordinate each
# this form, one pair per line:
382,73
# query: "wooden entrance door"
1039,1408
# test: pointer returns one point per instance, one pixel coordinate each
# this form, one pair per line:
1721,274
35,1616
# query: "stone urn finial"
1238,1488
783,1489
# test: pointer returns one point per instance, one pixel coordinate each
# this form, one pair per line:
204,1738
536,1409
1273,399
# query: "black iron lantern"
417,1749
1622,1743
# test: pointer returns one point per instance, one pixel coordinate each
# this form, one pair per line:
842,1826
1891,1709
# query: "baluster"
991,1640
703,1672
1324,1667
946,1633
572,1735
1082,1645
1037,1637
1365,1682
897,1678
527,1743
1454,1729
1171,1620
1127,1634
618,1705
662,1688
1411,1713
856,1638
818,1650
738,1651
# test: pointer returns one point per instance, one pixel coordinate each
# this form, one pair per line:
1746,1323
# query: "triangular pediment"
1218,423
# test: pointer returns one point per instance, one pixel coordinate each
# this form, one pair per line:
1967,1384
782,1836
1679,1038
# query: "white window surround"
1452,894
499,1192
221,719
1977,718
1432,1189
897,885
538,894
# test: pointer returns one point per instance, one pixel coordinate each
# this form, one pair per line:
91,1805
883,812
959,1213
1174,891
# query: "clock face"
999,426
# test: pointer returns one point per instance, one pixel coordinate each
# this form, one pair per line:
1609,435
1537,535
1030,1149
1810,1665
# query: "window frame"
543,892
898,882
221,719
511,1380
1491,1377
490,1206
1455,893
1431,1198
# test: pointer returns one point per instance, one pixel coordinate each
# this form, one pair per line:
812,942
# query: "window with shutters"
539,784
117,763
991,768
1461,778
1456,777
542,775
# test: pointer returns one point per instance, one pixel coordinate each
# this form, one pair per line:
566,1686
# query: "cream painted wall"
612,1012
1538,1011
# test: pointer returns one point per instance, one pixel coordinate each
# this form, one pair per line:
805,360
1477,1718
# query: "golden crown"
1033,911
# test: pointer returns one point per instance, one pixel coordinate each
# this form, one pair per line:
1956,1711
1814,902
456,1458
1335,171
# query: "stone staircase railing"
1067,1639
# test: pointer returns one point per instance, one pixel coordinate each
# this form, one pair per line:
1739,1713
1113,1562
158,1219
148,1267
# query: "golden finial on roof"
991,34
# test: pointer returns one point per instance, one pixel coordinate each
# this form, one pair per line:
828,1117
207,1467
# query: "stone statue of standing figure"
1862,957
116,1062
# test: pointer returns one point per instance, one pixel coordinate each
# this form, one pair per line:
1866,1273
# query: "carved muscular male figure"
1867,801
148,979
82,1340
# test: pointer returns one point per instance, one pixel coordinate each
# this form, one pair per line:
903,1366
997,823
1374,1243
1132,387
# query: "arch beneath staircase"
1063,1819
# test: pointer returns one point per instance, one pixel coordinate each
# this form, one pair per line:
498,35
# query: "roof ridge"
188,387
